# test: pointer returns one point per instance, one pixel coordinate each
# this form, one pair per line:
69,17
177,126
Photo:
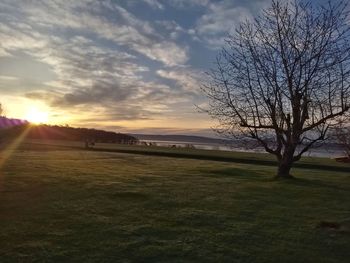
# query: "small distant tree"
283,79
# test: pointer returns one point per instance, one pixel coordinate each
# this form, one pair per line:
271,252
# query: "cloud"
154,4
103,19
186,79
8,78
172,28
221,18
181,4
4,53
91,75
97,61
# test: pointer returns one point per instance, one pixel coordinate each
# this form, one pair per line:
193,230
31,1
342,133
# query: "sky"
131,66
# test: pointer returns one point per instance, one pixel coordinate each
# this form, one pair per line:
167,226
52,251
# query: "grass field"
65,204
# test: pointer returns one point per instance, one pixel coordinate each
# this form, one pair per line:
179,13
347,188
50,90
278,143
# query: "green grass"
62,204
212,155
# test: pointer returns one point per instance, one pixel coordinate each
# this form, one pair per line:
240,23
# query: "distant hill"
180,138
54,132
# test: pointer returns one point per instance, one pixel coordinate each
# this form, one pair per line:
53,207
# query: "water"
326,152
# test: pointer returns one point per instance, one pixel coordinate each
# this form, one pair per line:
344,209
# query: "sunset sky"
128,66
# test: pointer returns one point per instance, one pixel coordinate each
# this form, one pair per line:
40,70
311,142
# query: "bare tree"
283,79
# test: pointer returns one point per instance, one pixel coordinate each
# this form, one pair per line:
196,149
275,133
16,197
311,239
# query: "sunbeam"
9,149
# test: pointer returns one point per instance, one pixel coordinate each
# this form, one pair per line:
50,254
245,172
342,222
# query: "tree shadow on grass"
129,195
265,176
314,183
238,173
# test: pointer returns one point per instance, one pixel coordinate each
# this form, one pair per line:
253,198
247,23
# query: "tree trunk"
283,170
285,164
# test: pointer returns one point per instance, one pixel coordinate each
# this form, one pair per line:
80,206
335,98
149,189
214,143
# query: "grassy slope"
72,205
226,156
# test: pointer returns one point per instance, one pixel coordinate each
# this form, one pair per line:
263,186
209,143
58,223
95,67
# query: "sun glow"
37,116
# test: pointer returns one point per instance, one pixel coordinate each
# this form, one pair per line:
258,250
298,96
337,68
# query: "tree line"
55,132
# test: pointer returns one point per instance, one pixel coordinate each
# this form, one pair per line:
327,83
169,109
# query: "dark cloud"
98,93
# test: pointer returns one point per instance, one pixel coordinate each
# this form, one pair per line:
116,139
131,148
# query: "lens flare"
36,116
6,153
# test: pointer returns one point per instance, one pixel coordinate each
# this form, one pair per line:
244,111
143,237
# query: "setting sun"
36,116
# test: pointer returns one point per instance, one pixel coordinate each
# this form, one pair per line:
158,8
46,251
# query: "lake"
325,151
